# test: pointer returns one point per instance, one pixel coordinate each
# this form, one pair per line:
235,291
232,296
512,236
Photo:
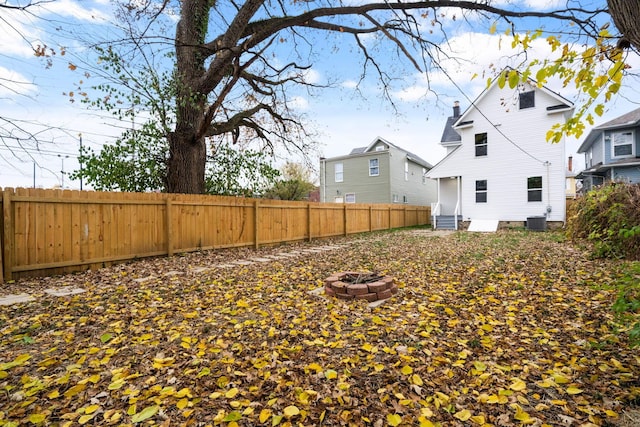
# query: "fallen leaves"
506,329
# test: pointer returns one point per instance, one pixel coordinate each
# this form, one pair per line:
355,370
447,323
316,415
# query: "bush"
608,217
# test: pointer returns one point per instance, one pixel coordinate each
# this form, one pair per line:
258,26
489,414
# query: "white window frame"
380,147
374,170
338,170
396,198
484,144
406,170
350,197
627,141
424,175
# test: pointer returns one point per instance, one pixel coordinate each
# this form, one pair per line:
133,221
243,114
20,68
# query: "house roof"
601,168
449,134
364,150
630,119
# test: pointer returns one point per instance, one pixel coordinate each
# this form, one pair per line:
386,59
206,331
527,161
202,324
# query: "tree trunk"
187,160
626,17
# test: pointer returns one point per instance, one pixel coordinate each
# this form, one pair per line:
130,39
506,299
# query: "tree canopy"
235,66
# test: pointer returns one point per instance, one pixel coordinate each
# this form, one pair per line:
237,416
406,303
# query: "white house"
499,167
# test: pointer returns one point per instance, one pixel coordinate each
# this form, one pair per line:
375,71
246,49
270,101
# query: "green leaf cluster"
608,217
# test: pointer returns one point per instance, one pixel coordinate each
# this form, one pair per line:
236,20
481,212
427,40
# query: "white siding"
517,149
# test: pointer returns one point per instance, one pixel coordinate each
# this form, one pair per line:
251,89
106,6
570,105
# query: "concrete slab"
64,291
144,279
173,273
484,225
225,265
258,259
201,269
15,299
291,254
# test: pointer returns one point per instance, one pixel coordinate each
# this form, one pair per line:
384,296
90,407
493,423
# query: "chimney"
456,109
570,164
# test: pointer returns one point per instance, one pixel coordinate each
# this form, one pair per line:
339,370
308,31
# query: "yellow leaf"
417,380
611,413
394,419
74,390
367,347
182,403
377,320
291,411
407,370
463,415
521,415
559,378
116,384
330,374
480,366
574,390
425,422
518,384
85,419
145,414
492,28
315,367
231,393
265,414
276,420
37,418
91,409
55,393
132,409
479,419
378,367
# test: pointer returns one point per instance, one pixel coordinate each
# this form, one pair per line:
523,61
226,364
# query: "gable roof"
563,103
630,119
449,134
358,151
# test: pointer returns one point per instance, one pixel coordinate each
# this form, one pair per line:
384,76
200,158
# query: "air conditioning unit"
537,223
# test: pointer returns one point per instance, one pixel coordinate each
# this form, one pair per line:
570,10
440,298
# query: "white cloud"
349,84
70,8
13,83
298,103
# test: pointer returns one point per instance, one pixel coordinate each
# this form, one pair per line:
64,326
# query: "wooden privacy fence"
46,232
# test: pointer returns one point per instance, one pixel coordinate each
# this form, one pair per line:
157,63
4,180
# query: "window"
424,175
534,189
481,144
527,99
374,169
406,170
338,169
404,199
622,144
481,191
379,147
396,199
350,198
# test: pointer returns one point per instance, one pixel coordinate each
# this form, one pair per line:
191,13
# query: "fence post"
389,217
405,216
169,220
8,234
256,208
309,220
345,219
370,218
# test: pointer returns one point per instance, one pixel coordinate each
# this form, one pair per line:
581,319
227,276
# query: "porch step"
446,222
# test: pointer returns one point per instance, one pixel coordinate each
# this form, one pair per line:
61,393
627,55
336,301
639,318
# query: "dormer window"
379,147
527,99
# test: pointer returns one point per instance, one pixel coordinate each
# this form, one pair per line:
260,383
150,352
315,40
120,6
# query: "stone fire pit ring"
350,285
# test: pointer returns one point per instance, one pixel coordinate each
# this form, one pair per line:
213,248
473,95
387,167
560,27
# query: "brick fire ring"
350,285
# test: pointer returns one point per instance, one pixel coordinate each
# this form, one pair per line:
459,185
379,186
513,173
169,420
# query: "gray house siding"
627,174
388,186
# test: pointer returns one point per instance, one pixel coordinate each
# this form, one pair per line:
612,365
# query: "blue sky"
342,117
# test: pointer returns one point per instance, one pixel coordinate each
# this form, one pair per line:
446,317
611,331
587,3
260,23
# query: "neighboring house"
612,152
499,168
379,173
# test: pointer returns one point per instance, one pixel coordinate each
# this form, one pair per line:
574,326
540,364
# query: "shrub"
608,217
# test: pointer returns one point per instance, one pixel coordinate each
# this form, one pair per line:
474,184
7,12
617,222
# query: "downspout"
548,213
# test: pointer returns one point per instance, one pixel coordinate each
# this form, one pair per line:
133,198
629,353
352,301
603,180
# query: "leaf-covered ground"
488,329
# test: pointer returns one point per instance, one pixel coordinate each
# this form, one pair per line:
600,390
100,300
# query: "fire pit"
350,284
